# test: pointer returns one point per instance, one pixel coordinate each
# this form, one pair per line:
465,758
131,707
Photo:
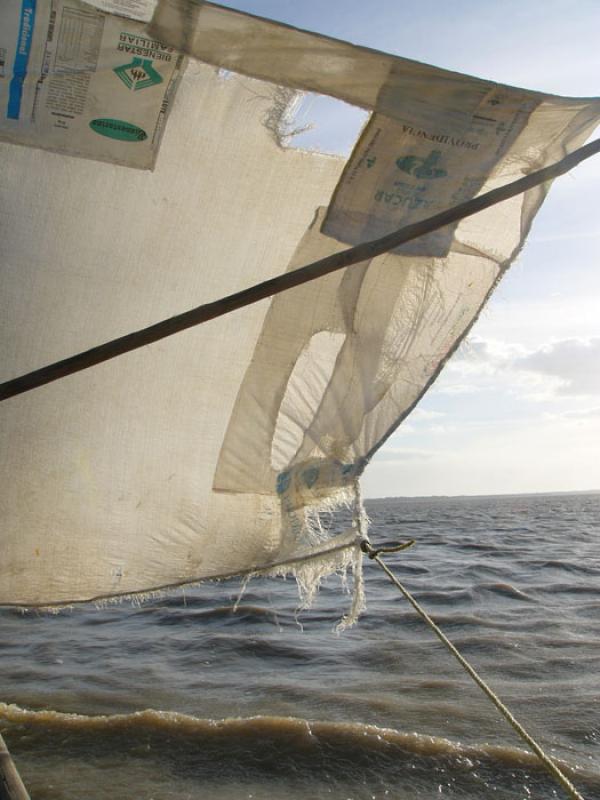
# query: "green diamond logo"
138,74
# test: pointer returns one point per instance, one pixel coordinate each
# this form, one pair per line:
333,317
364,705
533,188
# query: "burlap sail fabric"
214,451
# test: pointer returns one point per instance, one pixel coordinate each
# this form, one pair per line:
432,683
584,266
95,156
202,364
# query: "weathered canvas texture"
211,453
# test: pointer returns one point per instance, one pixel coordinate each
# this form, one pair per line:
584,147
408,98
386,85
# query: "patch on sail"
415,165
84,83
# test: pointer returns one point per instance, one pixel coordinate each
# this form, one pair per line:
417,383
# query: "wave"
256,732
505,590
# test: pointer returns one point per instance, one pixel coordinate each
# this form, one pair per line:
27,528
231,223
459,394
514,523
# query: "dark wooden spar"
289,280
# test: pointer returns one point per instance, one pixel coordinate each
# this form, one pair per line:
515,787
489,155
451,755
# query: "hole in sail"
324,124
303,395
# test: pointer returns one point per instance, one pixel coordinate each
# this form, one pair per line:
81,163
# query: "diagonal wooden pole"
289,280
11,785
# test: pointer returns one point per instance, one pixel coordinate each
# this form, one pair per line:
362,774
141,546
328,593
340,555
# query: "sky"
517,409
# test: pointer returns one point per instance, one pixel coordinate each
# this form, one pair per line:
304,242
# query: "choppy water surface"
182,698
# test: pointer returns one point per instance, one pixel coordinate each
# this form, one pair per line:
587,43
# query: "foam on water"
257,750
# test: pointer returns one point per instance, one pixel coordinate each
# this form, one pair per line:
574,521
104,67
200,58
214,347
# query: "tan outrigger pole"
11,785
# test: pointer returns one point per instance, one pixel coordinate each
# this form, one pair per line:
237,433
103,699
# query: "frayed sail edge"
325,555
309,571
279,118
309,552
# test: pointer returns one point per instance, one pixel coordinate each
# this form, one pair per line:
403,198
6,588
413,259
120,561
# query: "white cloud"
480,356
400,455
486,365
491,438
456,388
564,237
423,415
566,367
506,457
578,414
574,362
531,321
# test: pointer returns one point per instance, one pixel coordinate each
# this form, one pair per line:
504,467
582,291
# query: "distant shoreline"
480,496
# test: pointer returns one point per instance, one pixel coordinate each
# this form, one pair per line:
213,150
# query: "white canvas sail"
140,179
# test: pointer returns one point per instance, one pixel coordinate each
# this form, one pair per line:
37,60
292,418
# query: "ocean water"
183,698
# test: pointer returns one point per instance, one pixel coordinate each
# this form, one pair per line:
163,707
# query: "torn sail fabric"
144,174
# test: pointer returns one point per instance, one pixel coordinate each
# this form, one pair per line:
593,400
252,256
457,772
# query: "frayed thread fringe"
279,119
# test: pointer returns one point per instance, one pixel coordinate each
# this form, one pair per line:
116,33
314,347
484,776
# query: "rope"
516,726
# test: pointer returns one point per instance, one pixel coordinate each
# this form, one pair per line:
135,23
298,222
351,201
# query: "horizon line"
495,494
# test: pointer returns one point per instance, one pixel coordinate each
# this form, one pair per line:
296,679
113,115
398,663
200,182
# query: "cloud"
575,362
400,455
457,388
576,414
562,237
478,356
537,454
423,415
532,320
568,367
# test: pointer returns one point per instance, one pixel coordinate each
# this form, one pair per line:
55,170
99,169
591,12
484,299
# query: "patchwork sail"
144,172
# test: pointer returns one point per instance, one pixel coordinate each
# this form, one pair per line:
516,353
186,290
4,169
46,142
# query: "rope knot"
373,552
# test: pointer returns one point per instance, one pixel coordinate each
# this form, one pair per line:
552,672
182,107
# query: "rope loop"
373,552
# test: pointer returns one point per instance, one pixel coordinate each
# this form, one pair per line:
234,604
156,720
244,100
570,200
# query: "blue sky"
518,407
